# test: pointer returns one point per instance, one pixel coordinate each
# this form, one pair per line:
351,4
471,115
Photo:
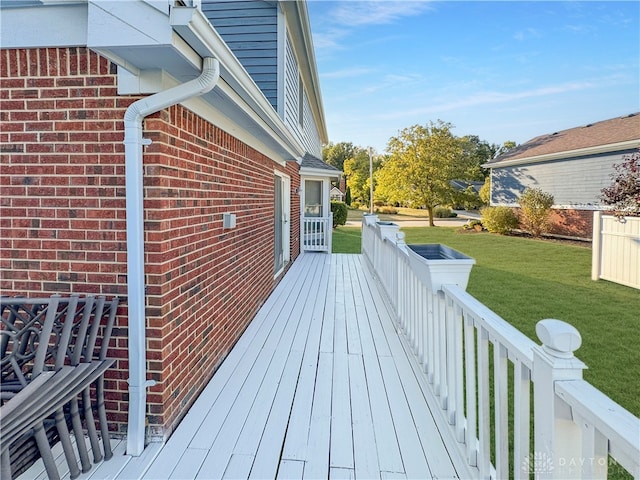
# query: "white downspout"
133,143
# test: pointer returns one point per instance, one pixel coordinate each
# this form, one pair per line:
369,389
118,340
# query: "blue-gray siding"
250,29
572,182
307,133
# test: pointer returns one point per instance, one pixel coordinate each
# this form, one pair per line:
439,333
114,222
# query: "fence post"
557,443
596,246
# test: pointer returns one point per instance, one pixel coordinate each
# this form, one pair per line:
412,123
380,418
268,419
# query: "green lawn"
525,280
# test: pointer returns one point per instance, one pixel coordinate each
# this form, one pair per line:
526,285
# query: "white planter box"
439,265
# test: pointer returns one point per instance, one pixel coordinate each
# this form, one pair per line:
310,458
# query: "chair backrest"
47,333
26,332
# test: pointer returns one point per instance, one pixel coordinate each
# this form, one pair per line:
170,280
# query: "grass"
525,280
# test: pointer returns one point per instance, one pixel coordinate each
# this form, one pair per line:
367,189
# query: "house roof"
313,165
618,133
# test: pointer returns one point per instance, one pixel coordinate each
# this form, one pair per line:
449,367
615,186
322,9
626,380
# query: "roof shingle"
606,132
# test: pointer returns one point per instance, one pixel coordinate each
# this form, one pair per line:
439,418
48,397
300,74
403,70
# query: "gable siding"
250,29
574,182
307,134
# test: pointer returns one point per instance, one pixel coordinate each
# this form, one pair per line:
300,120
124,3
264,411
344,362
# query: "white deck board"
318,386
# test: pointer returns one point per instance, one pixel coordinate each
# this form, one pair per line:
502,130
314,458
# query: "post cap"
558,338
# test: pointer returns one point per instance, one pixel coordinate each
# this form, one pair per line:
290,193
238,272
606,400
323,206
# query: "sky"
505,70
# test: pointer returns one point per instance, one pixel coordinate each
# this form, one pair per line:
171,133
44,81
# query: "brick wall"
63,218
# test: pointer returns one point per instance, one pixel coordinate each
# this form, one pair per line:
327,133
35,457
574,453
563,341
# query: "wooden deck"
319,386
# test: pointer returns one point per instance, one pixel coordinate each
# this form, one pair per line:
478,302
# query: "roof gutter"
133,143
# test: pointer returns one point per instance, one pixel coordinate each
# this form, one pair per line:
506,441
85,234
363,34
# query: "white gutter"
133,143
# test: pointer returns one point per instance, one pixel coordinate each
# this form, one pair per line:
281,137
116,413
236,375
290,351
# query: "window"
313,198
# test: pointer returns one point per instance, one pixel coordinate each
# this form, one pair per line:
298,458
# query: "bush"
535,210
473,225
355,205
499,219
387,210
339,210
444,212
485,192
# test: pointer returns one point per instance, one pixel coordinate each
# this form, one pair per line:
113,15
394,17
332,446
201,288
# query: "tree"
335,154
535,209
356,171
478,152
423,160
623,195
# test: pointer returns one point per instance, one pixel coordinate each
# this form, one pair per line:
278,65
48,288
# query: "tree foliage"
623,195
535,210
335,154
422,162
485,192
356,171
478,152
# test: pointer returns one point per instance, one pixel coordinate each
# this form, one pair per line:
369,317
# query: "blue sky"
500,70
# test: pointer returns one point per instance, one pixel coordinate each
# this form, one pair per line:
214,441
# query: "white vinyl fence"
616,249
492,385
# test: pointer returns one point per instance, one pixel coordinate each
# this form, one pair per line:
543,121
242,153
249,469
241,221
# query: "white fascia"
318,172
39,26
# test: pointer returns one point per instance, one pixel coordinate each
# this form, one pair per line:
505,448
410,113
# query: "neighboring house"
336,195
155,150
573,165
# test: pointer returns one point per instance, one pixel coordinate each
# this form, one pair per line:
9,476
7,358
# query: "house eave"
302,40
192,25
319,172
580,152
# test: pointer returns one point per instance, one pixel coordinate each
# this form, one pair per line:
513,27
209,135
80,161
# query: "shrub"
473,225
388,210
499,219
535,210
485,192
444,212
355,205
339,210
623,195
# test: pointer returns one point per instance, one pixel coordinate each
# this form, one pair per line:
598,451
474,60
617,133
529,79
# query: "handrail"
588,404
477,363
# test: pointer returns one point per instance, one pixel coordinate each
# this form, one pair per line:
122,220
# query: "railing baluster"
521,420
471,393
484,422
501,410
459,372
442,340
449,323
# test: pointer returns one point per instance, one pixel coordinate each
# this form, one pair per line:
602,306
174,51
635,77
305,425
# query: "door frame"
285,220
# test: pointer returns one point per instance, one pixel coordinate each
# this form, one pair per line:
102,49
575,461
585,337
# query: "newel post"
557,445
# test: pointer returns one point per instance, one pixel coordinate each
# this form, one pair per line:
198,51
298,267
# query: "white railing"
482,372
616,249
317,233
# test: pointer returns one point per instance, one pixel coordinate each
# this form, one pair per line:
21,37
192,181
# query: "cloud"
527,34
488,98
358,13
348,73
